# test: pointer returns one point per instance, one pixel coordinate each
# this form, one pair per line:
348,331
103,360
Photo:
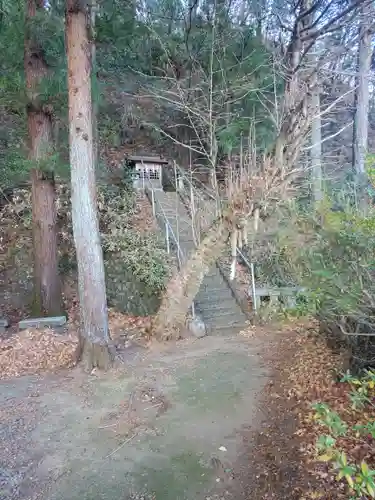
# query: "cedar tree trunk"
95,339
47,286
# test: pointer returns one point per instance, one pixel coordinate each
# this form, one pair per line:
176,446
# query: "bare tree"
95,339
269,181
47,286
362,93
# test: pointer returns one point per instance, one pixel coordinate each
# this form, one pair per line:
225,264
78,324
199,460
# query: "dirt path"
167,426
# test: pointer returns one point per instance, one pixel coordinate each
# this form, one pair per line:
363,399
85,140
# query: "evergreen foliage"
150,49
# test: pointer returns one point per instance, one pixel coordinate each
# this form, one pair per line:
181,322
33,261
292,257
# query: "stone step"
213,311
223,302
211,275
186,241
171,215
225,299
183,219
186,234
183,229
224,320
207,291
228,321
52,322
213,287
229,330
206,302
215,277
4,323
219,291
183,226
208,295
220,315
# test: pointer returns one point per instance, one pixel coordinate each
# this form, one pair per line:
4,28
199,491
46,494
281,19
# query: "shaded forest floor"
165,424
217,418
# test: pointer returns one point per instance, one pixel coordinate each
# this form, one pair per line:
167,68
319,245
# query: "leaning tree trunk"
185,285
95,340
47,286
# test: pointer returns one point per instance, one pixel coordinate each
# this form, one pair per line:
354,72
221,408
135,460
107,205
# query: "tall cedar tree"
95,340
48,299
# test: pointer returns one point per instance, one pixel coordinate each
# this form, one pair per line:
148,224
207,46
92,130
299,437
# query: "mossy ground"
152,429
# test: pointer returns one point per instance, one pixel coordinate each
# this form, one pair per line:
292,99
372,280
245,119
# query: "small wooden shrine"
147,171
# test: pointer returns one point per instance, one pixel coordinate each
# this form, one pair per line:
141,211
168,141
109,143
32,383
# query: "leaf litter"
35,351
284,460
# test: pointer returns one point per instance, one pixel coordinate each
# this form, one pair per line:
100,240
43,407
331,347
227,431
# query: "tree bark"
95,107
96,349
47,286
362,93
47,297
185,285
316,133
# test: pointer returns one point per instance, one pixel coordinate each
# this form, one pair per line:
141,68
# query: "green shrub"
339,264
126,249
360,477
331,254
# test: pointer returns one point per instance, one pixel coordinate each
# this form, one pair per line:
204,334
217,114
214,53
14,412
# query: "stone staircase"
214,302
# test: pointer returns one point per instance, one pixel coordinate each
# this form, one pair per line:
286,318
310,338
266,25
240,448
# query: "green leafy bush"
331,255
339,265
142,254
360,477
126,248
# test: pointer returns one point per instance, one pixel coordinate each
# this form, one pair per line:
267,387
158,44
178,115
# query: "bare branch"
328,27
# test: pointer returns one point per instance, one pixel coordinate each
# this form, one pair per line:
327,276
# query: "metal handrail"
181,258
249,265
168,226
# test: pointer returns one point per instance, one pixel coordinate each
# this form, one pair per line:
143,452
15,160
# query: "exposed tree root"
185,284
94,355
